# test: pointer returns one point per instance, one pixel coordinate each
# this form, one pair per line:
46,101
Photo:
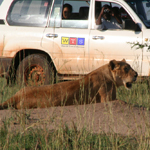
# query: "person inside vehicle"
67,11
124,14
109,18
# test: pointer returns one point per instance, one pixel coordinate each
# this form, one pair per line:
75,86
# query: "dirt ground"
112,117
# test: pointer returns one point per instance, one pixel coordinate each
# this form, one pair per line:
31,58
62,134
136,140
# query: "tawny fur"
100,84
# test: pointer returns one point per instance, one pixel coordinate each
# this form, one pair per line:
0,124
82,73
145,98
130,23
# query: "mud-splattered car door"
70,37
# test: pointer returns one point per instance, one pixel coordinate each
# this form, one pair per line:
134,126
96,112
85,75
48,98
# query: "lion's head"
122,73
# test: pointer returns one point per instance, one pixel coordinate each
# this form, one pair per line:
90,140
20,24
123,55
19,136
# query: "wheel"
35,70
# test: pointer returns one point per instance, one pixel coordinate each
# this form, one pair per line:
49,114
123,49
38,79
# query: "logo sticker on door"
65,40
72,41
81,41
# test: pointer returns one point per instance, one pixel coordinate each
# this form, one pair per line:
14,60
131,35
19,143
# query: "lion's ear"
123,60
113,64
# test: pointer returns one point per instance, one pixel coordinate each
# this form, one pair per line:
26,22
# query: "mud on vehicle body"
37,43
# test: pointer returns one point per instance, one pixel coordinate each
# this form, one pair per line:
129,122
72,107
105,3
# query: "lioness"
100,83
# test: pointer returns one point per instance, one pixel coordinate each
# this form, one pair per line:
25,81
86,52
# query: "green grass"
65,138
139,95
7,91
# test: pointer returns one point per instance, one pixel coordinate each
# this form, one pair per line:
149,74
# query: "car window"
55,20
70,14
28,13
142,9
1,1
110,15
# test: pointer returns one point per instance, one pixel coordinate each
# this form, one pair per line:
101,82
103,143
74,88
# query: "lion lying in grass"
100,83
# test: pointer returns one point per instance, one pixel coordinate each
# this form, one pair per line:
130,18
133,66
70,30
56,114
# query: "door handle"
98,37
49,35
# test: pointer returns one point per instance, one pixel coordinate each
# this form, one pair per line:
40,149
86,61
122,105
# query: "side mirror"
131,25
137,27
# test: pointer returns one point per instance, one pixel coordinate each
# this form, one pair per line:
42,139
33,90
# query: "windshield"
142,9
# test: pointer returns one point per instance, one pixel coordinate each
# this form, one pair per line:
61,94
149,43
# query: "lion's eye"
126,69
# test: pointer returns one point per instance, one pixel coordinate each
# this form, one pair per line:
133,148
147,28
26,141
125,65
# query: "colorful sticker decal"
65,40
81,41
73,41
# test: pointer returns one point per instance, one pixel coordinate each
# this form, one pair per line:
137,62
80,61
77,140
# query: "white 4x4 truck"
36,43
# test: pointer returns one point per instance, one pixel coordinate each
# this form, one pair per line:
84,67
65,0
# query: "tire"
35,70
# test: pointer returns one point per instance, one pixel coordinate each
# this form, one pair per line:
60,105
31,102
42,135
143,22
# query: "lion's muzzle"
128,84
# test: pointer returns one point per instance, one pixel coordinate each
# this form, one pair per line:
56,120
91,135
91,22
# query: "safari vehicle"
36,43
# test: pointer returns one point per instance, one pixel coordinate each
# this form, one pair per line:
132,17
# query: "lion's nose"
136,74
